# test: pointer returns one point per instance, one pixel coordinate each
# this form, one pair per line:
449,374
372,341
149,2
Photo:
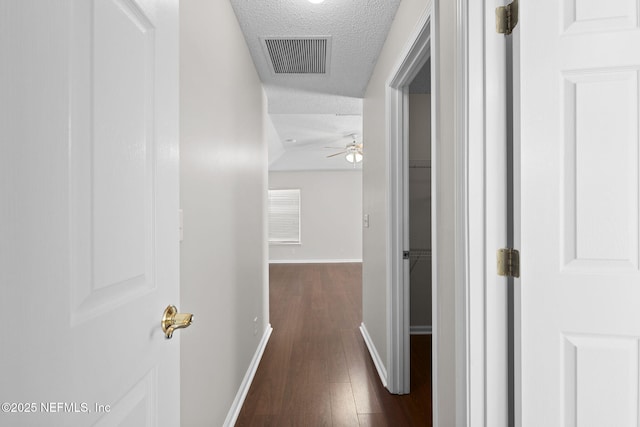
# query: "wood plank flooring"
316,369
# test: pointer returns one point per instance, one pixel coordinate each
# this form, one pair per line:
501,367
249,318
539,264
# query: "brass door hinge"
507,18
508,262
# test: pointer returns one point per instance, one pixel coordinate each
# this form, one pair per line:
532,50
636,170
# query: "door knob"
172,320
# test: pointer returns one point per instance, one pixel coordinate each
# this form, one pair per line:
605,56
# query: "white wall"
375,196
331,216
223,186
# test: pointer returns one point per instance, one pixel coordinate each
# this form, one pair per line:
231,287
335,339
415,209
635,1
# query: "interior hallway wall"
330,216
449,388
374,178
223,186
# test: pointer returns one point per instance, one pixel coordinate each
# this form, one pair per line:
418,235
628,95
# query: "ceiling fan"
352,151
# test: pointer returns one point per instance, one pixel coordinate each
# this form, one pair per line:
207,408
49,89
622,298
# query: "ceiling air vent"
298,55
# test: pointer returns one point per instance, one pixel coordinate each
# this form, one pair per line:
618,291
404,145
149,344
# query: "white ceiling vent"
299,55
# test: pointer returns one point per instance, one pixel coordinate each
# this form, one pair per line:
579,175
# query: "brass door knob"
172,320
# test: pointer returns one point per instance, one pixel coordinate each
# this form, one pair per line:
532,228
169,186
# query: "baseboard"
420,330
382,371
313,261
236,406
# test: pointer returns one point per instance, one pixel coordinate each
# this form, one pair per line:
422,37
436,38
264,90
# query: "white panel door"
88,212
579,68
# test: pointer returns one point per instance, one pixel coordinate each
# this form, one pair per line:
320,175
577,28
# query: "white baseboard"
312,261
236,406
382,371
420,330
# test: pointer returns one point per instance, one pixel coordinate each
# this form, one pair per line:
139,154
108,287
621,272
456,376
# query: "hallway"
316,369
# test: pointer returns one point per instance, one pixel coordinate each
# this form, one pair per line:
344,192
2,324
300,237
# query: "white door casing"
89,194
486,356
411,61
577,71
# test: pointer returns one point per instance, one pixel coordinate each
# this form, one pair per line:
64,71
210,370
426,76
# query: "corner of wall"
375,356
265,216
236,406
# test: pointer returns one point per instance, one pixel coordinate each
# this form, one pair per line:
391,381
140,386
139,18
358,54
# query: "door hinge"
508,262
406,255
507,18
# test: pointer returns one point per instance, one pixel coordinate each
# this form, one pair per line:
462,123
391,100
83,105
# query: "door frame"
398,290
477,199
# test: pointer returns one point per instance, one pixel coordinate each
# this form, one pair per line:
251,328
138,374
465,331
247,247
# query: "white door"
579,302
88,211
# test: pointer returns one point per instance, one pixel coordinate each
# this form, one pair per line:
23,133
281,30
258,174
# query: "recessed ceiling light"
316,1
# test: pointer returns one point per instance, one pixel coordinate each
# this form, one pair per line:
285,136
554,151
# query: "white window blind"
284,216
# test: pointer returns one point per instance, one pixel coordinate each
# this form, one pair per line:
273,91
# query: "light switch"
365,220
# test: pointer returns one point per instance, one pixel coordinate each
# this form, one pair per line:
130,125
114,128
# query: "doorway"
467,209
416,62
419,191
419,202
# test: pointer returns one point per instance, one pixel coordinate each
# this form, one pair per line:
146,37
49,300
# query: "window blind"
284,216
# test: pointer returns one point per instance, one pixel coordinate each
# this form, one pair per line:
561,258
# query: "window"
284,216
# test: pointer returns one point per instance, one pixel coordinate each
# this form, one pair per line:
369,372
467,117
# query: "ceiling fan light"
354,157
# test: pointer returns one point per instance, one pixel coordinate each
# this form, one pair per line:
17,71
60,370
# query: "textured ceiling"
356,30
306,140
316,129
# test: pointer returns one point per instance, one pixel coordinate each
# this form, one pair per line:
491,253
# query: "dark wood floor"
316,370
